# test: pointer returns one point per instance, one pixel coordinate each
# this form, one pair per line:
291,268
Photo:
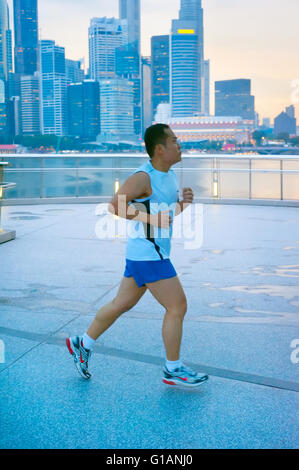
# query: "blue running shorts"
149,271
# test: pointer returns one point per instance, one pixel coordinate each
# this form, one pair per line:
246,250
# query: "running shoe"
80,355
184,376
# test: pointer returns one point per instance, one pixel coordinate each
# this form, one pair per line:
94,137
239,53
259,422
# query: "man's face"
172,150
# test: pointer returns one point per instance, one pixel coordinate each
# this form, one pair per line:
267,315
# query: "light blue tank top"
146,242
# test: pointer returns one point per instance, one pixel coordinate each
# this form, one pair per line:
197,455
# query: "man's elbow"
112,207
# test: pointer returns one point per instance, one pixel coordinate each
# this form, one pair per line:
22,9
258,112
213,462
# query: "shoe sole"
184,384
76,361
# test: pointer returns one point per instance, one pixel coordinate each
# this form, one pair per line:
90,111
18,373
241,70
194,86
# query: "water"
95,176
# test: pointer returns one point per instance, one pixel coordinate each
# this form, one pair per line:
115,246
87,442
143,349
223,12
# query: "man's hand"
188,195
187,200
162,219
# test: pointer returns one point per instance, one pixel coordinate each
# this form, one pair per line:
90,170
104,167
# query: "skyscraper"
73,71
105,36
75,109
84,109
14,115
187,75
26,36
290,110
130,10
285,122
191,10
146,79
3,40
3,111
233,98
185,78
9,45
30,104
160,71
127,65
91,109
117,119
207,87
53,89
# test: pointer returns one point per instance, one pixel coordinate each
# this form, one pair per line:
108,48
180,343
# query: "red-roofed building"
8,149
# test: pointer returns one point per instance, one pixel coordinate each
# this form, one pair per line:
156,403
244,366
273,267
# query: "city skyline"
236,49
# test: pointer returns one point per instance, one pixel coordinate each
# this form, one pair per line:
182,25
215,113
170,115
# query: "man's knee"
178,310
123,306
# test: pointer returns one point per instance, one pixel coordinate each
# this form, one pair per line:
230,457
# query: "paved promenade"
242,287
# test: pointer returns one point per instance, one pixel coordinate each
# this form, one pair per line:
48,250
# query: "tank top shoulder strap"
146,168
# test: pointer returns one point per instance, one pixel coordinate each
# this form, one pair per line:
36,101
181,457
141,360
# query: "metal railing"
5,235
94,177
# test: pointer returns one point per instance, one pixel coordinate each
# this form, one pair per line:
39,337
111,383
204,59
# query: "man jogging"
147,257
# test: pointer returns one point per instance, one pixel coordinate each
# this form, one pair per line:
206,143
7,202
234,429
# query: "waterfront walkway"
243,315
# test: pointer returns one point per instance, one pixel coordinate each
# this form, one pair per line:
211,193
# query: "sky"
256,39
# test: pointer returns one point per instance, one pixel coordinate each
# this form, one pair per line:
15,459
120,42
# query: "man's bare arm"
135,187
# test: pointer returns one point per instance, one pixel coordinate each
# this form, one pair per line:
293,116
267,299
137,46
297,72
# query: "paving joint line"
149,359
103,295
45,340
48,337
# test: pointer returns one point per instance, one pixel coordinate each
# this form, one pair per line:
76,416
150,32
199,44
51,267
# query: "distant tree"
5,139
258,136
283,136
295,141
36,141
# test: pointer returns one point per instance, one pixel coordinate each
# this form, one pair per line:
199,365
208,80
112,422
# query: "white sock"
88,342
172,365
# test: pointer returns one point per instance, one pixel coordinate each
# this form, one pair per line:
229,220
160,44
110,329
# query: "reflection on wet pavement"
281,271
287,292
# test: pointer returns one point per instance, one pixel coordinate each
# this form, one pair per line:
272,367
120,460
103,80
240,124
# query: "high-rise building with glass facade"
146,80
30,104
285,122
3,108
160,71
53,89
84,109
4,27
130,10
14,114
117,105
191,10
127,65
6,66
74,72
207,87
187,73
91,109
26,36
185,78
105,36
75,109
233,98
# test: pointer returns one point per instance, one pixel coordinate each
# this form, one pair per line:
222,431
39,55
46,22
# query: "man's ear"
159,148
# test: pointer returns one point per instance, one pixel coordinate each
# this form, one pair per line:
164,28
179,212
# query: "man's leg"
127,296
80,347
170,294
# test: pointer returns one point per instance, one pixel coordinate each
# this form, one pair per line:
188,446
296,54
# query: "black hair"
153,136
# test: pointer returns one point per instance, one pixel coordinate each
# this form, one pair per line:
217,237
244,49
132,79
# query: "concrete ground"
242,288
